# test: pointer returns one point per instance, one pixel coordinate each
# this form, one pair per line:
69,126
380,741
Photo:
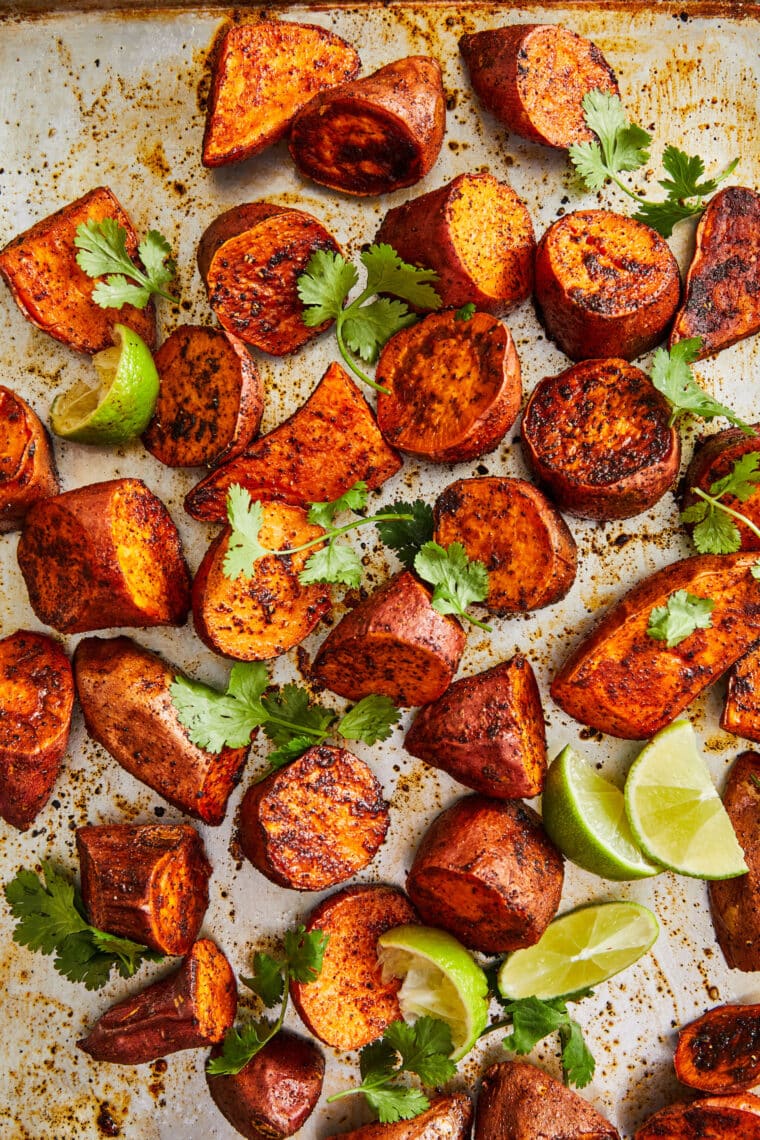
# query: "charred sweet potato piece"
735,903
124,693
741,709
598,438
606,285
487,731
36,699
315,823
27,465
454,387
393,643
478,236
624,682
709,1118
519,536
375,134
147,882
103,555
520,1102
712,460
487,872
325,447
210,400
350,1004
263,74
40,268
722,295
533,78
275,1093
448,1118
193,1007
719,1052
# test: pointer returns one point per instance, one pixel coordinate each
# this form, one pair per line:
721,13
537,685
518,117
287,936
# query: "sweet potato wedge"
598,438
375,134
193,1007
712,460
40,268
709,1118
124,693
719,1052
393,643
210,400
520,537
263,74
741,708
448,1118
103,555
454,387
606,285
722,295
306,459
27,465
36,700
478,236
735,903
623,682
147,882
487,731
487,872
349,1004
533,78
520,1102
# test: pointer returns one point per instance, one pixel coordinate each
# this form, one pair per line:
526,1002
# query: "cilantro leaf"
682,614
664,216
457,581
115,291
336,562
285,754
290,713
672,376
375,323
397,1102
578,1062
370,720
267,981
354,499
214,720
248,682
388,273
406,537
304,953
324,286
102,252
534,1018
243,547
238,1048
717,533
156,255
379,1057
742,480
466,313
424,1049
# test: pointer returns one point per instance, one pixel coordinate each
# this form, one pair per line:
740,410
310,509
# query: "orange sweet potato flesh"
709,1118
39,266
210,400
712,460
741,708
107,554
27,464
454,387
722,296
533,78
598,438
376,134
487,872
606,285
325,447
520,537
147,882
315,823
487,731
735,903
520,1102
124,693
350,1004
476,233
263,613
393,643
623,682
719,1052
36,700
263,74
448,1118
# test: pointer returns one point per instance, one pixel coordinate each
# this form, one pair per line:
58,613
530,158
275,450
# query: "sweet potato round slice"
487,872
735,903
454,387
393,643
350,1004
741,708
518,1100
606,285
709,1118
375,134
719,1052
712,460
444,230
520,537
27,465
315,823
448,1118
598,438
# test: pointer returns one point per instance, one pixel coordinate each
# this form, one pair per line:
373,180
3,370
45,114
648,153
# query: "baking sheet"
118,98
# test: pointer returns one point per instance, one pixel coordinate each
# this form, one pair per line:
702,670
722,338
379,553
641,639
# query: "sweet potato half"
709,1118
735,903
27,464
448,1118
520,1102
741,708
719,1052
712,460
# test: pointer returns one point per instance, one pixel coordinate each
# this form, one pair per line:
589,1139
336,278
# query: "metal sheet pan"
116,97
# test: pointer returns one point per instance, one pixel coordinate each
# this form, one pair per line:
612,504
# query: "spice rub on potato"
598,438
713,459
735,903
519,1101
448,1118
330,443
476,233
719,1052
606,285
519,536
263,74
741,708
454,387
375,134
708,1118
40,268
350,1004
27,464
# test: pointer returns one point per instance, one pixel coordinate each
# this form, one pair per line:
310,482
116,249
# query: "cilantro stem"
335,532
715,502
350,359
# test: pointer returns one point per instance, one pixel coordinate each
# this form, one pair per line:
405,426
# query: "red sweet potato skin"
719,1052
708,1118
27,463
520,1102
735,903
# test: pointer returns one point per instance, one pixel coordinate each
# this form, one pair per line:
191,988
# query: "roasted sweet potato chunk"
709,1118
448,1118
713,459
735,903
719,1052
741,709
27,465
520,1102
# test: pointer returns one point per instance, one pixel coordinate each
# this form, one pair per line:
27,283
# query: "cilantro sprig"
715,531
682,614
456,579
673,377
364,325
531,1019
103,252
301,961
51,919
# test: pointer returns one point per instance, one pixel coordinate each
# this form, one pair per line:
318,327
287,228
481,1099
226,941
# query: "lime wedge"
675,812
120,407
578,950
441,980
585,816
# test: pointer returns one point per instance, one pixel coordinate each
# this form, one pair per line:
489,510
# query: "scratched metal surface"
118,98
